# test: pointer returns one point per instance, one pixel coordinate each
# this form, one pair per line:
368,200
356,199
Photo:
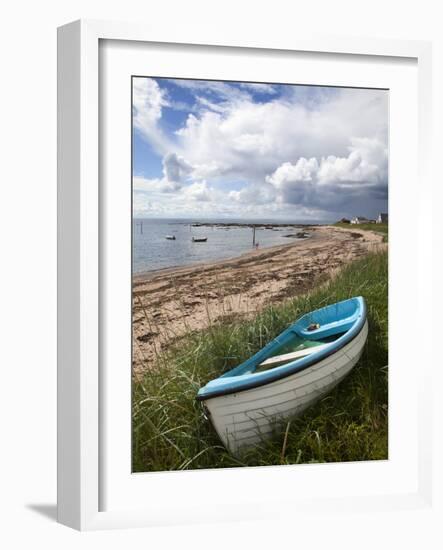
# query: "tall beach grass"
377,227
170,431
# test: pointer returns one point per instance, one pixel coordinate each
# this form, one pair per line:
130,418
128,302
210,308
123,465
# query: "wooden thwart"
286,357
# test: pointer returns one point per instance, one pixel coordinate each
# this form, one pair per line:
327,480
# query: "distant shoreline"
264,225
247,223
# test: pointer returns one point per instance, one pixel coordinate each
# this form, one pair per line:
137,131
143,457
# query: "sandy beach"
171,302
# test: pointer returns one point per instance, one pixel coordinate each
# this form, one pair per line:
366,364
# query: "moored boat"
170,237
299,367
199,239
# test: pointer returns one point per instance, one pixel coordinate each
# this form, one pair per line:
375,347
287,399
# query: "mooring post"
253,235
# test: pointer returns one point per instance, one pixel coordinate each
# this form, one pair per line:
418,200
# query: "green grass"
377,227
350,424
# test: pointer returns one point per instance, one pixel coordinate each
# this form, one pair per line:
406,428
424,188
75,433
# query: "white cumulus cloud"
331,181
148,100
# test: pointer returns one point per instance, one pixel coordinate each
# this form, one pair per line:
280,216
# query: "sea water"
152,251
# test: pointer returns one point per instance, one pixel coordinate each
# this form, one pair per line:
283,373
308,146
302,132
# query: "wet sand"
171,302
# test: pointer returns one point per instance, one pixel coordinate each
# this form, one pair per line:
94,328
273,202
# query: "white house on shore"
382,218
359,219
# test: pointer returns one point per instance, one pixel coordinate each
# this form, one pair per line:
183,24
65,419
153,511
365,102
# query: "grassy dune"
351,423
377,227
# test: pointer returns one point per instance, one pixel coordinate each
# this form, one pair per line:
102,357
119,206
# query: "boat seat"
287,357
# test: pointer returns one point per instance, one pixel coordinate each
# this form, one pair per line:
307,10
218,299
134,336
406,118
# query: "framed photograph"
238,244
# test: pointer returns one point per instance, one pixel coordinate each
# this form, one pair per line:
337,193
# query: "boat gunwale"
308,361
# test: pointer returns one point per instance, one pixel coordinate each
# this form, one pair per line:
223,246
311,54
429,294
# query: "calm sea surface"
152,251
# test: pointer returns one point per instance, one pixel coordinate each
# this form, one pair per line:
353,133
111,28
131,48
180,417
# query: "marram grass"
349,424
377,227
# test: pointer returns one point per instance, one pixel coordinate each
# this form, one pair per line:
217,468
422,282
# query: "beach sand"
169,303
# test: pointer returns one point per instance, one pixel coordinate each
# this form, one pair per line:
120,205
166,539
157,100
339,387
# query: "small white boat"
199,239
299,367
170,237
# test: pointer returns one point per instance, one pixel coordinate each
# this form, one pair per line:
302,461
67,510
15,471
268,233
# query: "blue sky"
225,149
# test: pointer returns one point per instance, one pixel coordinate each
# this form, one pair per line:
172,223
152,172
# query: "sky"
237,150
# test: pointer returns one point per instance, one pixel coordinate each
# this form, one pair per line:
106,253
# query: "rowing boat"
296,369
199,239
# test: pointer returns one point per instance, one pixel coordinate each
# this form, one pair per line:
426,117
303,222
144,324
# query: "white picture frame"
80,411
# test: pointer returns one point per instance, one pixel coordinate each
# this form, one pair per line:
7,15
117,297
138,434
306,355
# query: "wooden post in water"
253,235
